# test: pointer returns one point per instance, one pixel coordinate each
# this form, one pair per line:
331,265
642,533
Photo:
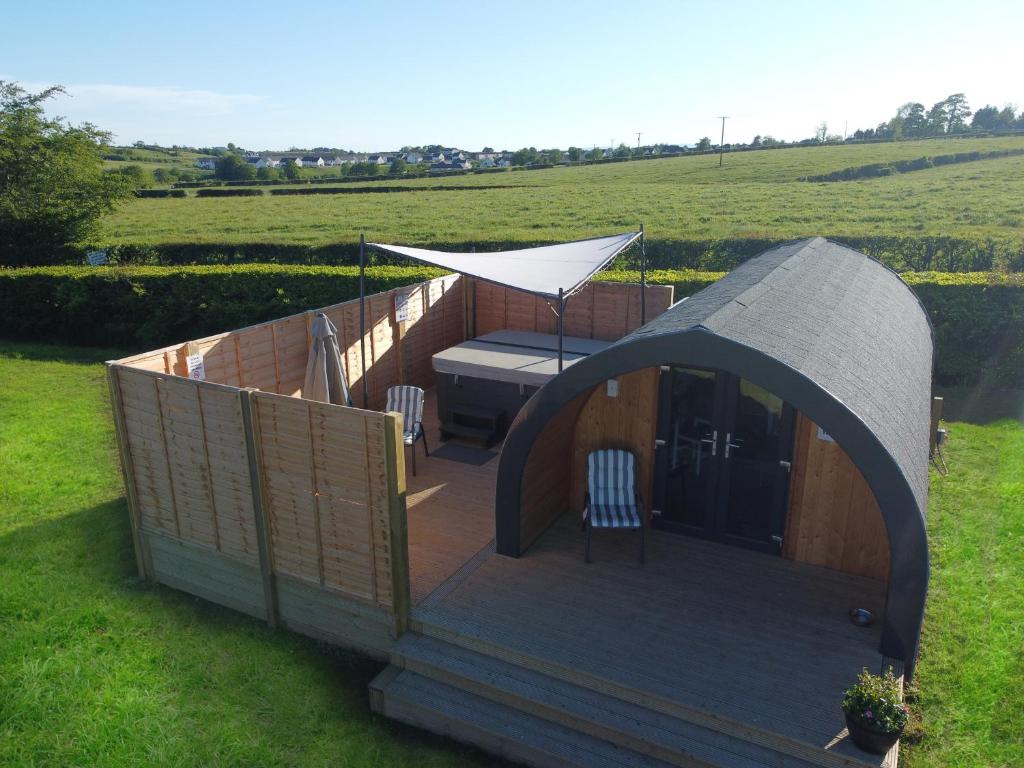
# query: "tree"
704,144
397,167
290,169
821,133
936,118
53,189
575,154
233,168
267,173
914,121
525,156
552,156
957,113
596,154
136,174
487,150
756,142
622,151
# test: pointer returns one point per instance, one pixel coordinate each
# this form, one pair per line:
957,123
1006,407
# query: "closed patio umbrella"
325,376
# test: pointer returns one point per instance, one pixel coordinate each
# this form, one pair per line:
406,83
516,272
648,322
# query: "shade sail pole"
561,326
643,277
362,318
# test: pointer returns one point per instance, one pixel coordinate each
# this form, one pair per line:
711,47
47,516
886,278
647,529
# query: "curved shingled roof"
835,333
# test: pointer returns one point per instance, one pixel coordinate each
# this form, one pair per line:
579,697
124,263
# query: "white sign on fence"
196,369
401,307
96,258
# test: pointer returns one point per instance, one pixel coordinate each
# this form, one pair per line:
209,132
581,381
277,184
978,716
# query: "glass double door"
723,458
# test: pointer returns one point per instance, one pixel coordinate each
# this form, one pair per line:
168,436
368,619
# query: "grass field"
152,159
755,194
98,669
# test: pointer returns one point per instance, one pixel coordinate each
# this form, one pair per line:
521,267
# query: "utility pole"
721,144
638,135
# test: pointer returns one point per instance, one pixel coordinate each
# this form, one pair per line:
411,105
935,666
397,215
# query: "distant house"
206,163
312,161
380,159
286,159
268,162
486,161
413,158
504,163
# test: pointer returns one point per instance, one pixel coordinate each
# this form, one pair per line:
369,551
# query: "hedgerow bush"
873,170
160,193
902,253
978,317
228,192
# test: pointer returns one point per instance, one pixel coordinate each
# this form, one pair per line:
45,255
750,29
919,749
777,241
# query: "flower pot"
869,739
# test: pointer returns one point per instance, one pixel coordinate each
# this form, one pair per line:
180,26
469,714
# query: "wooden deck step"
797,752
628,726
498,729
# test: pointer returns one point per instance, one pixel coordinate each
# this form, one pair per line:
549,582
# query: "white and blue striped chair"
612,500
408,401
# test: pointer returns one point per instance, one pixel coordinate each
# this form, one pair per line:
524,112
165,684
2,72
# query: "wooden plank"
251,426
127,470
398,532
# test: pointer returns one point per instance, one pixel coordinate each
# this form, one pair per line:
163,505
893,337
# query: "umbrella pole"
362,318
643,277
561,328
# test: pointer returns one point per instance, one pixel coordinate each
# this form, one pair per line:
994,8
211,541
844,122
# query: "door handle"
713,440
729,444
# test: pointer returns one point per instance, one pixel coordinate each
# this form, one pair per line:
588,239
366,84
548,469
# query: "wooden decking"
450,511
726,638
705,655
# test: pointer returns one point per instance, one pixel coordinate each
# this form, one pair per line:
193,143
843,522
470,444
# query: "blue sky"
378,75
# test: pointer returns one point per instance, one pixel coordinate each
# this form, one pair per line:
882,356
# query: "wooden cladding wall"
545,491
267,503
271,357
628,421
606,311
834,520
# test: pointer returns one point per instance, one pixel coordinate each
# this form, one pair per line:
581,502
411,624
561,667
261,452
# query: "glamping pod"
760,450
787,410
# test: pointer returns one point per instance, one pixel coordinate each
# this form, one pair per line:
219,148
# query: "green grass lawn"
99,669
755,195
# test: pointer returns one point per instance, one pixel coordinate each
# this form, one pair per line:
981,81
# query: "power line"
721,144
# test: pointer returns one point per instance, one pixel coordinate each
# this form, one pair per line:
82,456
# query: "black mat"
464,454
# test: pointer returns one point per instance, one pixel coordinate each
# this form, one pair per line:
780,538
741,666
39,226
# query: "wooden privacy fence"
287,509
293,510
271,356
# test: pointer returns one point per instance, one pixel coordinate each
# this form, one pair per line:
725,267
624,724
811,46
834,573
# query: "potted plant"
875,712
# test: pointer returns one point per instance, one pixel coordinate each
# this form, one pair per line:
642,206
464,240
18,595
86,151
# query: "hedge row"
874,170
160,193
382,189
978,318
225,192
902,253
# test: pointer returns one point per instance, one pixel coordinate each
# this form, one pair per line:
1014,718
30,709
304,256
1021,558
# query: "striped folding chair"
612,500
408,401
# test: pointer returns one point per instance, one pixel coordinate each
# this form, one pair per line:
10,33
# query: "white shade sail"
543,270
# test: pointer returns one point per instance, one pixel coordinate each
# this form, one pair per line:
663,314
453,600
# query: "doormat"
464,454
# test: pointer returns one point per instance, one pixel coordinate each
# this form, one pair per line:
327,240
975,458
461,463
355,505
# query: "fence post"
936,417
128,474
397,520
251,424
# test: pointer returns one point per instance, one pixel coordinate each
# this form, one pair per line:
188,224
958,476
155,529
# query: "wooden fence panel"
325,480
600,310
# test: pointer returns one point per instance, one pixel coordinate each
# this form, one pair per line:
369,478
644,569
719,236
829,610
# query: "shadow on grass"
272,689
981,405
57,353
